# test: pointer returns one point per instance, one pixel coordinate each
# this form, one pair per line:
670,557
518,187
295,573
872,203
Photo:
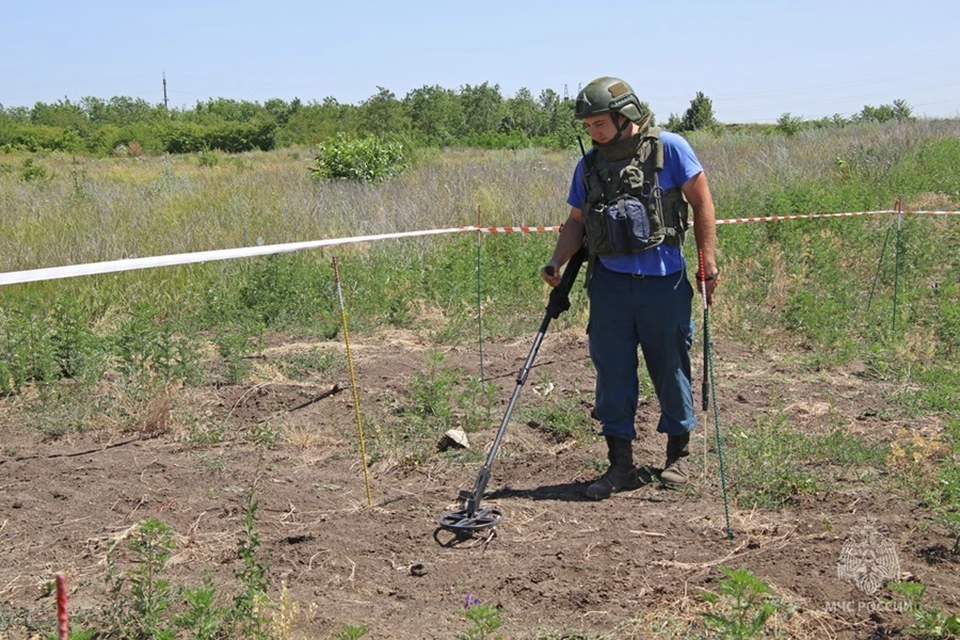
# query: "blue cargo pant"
652,312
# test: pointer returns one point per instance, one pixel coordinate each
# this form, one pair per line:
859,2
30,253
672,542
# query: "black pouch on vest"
628,225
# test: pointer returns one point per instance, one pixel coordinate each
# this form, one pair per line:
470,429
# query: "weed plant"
142,614
351,632
743,606
929,622
145,604
484,620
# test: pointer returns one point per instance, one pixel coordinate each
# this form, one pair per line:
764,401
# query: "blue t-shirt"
679,165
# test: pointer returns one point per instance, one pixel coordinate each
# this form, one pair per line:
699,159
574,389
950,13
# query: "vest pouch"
627,225
676,214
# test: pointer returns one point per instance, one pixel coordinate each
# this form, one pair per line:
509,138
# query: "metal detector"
472,519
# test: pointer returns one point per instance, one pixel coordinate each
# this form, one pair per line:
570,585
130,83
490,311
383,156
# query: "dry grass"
94,209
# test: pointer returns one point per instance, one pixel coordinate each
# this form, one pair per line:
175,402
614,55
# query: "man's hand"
711,281
551,274
698,195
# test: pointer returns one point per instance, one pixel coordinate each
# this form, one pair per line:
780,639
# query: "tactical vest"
625,210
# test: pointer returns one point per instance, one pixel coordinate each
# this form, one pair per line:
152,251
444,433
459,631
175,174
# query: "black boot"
622,474
677,470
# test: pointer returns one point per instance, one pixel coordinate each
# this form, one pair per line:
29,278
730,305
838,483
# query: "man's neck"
623,148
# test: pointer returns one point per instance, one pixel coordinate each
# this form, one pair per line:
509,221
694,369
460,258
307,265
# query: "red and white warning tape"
802,217
834,215
132,264
516,229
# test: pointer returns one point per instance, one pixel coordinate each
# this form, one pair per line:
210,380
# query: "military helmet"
605,95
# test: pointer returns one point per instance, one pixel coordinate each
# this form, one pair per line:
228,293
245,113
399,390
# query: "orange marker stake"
63,628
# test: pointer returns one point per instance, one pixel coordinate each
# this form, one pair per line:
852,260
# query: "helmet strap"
619,147
621,126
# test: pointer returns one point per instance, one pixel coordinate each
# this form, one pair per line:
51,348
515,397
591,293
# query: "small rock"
454,438
418,570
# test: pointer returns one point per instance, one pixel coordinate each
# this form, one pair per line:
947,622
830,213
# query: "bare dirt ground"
558,565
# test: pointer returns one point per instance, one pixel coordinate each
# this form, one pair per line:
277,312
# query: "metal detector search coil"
472,519
462,522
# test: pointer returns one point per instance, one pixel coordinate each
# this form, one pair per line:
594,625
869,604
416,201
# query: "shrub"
790,124
365,159
208,158
30,171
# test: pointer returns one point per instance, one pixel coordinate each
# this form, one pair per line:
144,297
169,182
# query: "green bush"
208,158
231,137
183,137
365,159
234,137
31,171
31,137
790,124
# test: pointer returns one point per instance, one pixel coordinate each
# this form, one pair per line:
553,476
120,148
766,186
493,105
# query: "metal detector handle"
560,296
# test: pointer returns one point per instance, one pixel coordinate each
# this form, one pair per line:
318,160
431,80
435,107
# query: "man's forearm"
704,220
705,232
570,241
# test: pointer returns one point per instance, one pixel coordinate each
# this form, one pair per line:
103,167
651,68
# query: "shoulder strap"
653,134
650,145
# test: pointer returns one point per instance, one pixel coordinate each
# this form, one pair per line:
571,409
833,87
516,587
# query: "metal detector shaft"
558,303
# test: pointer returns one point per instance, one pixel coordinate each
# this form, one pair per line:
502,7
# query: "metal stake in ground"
896,269
353,383
479,298
708,372
472,519
705,385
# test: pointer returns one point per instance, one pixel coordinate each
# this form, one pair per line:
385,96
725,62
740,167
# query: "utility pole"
166,104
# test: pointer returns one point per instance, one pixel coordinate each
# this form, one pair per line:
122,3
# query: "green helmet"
605,95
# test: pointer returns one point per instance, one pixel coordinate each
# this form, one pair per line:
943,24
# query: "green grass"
561,415
771,463
441,397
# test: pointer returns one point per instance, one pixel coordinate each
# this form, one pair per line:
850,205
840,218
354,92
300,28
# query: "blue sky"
755,59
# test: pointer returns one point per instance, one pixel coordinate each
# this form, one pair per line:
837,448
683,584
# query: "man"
628,200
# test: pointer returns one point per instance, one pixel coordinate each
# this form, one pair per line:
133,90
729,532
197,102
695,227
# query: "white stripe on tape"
113,266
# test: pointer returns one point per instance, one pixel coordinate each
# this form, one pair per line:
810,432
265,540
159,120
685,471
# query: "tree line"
473,115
